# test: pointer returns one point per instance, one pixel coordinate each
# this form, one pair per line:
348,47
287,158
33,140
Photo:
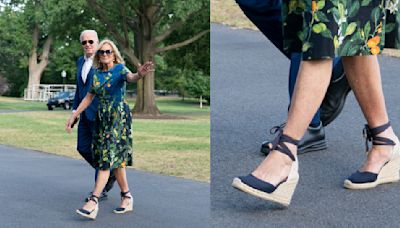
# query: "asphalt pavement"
249,79
44,190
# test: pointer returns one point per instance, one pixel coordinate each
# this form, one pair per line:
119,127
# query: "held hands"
145,69
71,122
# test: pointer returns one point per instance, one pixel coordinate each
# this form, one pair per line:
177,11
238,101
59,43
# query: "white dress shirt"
86,67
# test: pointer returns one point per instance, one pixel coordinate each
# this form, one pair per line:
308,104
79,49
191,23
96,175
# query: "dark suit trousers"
85,137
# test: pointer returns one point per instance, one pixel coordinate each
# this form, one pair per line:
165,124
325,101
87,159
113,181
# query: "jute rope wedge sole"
129,207
389,173
90,214
282,195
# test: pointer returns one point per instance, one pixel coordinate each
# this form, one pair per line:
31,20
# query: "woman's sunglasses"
87,41
102,52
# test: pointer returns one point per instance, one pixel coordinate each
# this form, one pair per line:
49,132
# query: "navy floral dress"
112,141
324,29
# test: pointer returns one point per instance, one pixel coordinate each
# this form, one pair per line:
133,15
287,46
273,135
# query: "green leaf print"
357,37
341,10
376,12
318,28
354,8
335,2
336,14
320,4
390,27
306,46
351,28
336,42
353,49
327,34
367,28
292,5
365,2
301,6
320,17
302,35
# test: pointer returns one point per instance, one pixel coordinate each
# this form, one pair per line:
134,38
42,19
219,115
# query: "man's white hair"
89,31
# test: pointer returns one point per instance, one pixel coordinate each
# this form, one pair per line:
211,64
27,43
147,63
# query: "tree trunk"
145,100
36,68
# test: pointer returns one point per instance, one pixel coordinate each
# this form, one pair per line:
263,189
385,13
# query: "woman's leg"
364,77
312,83
101,181
120,174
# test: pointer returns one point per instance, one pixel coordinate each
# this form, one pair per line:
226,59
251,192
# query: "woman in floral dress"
321,30
112,143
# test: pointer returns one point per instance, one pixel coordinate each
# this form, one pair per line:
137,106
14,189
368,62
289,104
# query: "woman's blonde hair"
117,55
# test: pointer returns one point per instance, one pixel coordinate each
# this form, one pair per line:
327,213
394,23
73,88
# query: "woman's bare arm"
82,106
142,71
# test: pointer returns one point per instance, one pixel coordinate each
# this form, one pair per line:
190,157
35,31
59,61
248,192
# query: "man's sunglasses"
102,52
87,41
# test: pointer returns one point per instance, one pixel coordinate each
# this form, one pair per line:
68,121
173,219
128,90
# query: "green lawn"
7,103
178,147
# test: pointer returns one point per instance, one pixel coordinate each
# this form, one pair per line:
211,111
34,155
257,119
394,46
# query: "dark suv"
61,99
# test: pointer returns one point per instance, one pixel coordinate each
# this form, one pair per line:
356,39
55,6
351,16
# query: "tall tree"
13,43
140,27
193,59
45,22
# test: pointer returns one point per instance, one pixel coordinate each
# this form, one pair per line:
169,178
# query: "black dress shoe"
335,96
110,182
313,140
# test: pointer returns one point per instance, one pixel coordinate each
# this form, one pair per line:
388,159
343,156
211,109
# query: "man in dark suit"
89,41
267,16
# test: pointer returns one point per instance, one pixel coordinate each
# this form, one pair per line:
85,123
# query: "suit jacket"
82,89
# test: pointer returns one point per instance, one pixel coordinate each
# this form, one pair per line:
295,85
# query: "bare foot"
379,155
276,167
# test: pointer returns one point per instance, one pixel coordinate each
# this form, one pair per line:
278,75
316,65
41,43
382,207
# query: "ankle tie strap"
277,128
94,198
124,195
370,135
279,144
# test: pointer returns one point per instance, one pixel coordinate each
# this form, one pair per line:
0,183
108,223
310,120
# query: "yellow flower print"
314,6
375,50
374,41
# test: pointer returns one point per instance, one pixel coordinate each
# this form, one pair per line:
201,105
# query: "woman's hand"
70,123
145,69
